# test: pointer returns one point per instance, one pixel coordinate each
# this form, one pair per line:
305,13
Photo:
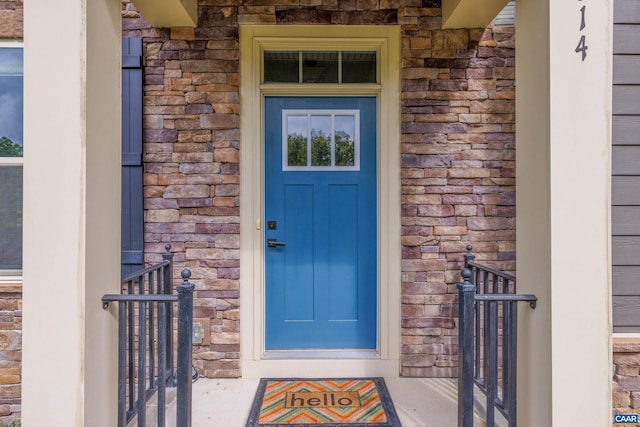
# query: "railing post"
168,273
469,257
122,360
466,303
167,280
511,371
185,326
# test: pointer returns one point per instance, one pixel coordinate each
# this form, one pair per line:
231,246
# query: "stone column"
563,196
71,211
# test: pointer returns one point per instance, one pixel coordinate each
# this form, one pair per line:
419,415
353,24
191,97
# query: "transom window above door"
320,140
309,66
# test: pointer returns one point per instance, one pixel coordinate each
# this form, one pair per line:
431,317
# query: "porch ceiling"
470,13
169,13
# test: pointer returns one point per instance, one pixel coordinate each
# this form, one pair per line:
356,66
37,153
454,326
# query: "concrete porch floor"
419,402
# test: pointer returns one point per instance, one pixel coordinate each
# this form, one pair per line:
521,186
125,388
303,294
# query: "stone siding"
10,352
457,160
458,175
191,160
11,23
626,376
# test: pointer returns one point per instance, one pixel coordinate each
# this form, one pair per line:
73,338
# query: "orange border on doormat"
323,403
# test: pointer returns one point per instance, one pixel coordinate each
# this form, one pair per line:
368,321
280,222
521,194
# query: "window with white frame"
11,150
321,140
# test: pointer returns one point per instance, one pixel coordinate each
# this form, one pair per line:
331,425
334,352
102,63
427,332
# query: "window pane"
320,140
358,67
297,140
10,102
345,141
11,217
281,66
320,67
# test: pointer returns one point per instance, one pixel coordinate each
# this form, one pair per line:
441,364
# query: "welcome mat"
344,402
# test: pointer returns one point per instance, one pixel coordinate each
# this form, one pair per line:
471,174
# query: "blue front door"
320,222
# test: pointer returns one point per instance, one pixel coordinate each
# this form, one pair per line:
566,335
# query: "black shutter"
132,202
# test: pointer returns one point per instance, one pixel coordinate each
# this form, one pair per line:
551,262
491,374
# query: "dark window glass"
10,217
281,66
320,67
359,67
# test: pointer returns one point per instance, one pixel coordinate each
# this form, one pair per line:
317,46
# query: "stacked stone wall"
191,158
457,160
10,352
626,376
458,175
11,23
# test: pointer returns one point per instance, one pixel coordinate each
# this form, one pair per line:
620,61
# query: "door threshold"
321,354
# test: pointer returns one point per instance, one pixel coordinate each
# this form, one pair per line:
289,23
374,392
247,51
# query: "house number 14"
582,44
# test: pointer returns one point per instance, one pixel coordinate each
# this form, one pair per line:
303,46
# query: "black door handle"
273,243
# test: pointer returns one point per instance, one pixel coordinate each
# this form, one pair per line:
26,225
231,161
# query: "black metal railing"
146,366
487,346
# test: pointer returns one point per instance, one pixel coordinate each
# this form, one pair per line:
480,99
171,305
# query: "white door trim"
386,41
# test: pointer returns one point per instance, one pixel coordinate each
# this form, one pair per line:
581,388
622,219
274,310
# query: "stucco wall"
457,160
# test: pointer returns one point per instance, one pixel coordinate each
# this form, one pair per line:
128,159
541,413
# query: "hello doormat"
344,402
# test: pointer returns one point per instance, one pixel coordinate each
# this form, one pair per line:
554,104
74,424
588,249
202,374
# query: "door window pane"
345,140
320,140
297,130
